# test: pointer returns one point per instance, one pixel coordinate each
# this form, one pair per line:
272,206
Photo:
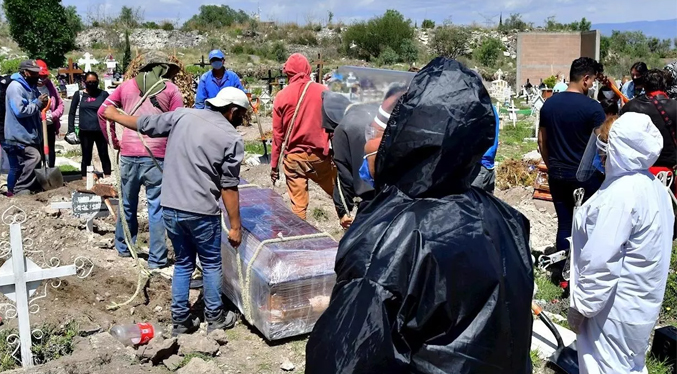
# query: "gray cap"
29,65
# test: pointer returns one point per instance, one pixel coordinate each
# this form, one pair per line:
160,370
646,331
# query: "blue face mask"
365,174
217,65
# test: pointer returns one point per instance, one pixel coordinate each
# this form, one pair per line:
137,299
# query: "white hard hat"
229,95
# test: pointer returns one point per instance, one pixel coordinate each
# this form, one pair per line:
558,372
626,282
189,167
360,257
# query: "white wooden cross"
19,278
87,61
513,113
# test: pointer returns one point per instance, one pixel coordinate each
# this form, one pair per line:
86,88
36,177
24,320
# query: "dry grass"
513,173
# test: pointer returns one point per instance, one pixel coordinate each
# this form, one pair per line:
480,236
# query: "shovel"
265,159
565,358
49,178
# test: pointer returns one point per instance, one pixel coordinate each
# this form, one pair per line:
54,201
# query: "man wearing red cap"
298,136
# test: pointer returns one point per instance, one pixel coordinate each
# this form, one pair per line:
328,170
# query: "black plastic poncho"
433,276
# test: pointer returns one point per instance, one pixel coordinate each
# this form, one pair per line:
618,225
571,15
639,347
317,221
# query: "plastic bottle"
137,334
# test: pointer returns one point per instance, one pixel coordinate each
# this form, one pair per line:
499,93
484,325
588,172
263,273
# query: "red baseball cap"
43,67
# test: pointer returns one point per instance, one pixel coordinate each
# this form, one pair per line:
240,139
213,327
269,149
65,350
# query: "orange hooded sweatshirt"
307,136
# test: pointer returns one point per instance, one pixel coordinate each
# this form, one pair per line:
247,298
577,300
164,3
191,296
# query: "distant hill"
664,29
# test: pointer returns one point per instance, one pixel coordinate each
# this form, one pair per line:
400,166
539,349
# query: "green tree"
408,51
428,24
489,51
215,17
73,19
515,22
167,26
388,57
450,41
127,57
150,25
130,17
368,39
43,29
584,25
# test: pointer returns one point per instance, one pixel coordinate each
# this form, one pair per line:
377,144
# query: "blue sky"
460,11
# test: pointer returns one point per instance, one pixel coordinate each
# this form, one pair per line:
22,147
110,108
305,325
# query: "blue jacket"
207,88
22,117
490,155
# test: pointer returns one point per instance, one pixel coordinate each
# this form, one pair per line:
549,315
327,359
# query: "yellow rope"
245,279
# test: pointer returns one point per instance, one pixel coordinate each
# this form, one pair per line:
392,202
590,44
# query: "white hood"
634,145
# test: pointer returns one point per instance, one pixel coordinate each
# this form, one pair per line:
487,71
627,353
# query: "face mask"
92,85
365,174
32,81
217,65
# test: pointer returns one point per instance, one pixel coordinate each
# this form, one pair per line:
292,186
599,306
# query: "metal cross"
19,278
202,63
70,71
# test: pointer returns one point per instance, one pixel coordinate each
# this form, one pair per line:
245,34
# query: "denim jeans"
562,191
195,234
135,172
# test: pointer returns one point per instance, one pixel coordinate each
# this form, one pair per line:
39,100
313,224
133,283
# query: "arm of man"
114,101
201,94
230,179
278,134
20,105
542,147
155,126
236,80
176,100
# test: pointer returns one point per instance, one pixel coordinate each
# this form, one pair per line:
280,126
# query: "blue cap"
216,54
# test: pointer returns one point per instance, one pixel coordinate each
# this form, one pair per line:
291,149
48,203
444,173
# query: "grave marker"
88,61
202,63
70,71
320,66
20,277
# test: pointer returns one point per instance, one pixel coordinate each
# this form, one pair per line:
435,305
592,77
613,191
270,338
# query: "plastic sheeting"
433,276
290,280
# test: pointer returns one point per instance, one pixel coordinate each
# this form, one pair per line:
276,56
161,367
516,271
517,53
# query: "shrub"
388,57
279,52
10,66
196,70
450,41
428,24
237,49
304,37
408,51
489,51
167,26
150,25
551,81
378,34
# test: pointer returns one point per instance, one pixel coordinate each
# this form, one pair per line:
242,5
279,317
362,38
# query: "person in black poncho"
434,276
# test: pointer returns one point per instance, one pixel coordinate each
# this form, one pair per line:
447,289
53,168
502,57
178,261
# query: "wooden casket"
285,264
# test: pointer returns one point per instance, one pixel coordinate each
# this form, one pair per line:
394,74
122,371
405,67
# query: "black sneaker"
125,254
225,320
189,326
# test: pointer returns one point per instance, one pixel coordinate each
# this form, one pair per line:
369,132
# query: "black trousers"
87,141
51,141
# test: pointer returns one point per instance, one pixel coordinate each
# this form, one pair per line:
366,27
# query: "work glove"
48,117
72,138
575,320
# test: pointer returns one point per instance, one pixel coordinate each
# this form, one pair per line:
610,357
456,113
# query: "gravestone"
109,77
20,277
71,71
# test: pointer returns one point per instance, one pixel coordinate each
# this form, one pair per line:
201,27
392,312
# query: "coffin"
288,284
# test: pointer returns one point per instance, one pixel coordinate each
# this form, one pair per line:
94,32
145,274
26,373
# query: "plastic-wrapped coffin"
285,264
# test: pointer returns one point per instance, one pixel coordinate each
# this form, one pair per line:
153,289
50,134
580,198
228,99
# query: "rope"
132,247
245,279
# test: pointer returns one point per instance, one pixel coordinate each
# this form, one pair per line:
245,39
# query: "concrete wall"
542,54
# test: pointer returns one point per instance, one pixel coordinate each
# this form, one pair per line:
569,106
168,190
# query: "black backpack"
5,80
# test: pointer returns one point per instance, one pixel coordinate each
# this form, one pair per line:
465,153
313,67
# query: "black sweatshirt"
89,105
348,146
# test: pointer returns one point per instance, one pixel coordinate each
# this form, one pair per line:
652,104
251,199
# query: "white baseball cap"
229,95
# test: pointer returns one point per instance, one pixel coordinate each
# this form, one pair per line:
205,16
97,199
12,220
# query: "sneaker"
189,326
125,254
225,320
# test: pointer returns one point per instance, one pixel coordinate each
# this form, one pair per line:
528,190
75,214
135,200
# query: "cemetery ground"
75,317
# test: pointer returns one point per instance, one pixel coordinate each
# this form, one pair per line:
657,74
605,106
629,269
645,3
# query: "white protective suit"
622,241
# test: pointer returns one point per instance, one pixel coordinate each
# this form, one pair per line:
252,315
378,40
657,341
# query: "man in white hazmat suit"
622,241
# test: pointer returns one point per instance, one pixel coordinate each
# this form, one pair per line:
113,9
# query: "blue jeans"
195,234
135,172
